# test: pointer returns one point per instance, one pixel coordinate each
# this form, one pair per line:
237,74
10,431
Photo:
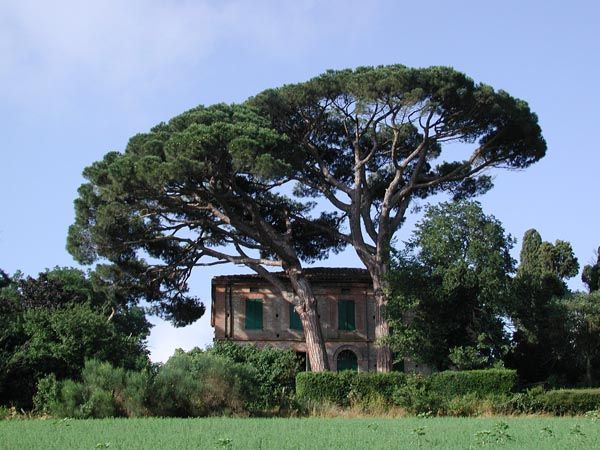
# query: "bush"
275,371
364,385
569,401
105,391
333,387
558,402
454,393
46,394
347,387
415,396
198,384
481,383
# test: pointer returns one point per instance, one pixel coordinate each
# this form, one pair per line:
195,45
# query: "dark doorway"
302,361
346,360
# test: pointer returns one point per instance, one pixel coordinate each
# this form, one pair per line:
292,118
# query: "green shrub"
46,394
481,383
105,391
364,385
347,387
98,404
134,397
333,387
6,412
527,402
199,384
455,393
569,401
275,371
71,398
557,402
416,397
468,358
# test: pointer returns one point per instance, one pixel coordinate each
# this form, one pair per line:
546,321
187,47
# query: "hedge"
343,387
481,383
568,401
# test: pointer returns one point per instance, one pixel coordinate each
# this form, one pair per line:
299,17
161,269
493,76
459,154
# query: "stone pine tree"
372,140
205,188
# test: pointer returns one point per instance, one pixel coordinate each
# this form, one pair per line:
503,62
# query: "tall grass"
437,433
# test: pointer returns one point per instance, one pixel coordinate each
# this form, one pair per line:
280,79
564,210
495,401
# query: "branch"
325,171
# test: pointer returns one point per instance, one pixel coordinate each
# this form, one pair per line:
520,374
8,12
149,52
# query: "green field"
508,433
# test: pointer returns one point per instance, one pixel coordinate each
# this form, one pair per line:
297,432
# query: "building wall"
228,319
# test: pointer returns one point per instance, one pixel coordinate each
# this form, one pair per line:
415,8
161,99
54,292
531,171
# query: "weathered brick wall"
276,320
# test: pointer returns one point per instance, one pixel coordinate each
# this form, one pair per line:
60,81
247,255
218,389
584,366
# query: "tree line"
53,323
457,301
460,301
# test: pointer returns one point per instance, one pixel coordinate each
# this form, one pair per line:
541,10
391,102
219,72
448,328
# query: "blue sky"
77,79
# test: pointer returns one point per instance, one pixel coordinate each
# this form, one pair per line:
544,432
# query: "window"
254,314
295,322
346,315
346,360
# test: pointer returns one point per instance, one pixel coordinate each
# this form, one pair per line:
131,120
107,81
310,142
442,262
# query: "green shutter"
346,315
295,322
254,314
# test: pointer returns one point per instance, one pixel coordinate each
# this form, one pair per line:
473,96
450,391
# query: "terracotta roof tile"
315,274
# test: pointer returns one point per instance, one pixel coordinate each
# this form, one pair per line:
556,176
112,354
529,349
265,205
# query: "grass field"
413,433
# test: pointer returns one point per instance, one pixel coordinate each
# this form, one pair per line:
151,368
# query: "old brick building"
245,309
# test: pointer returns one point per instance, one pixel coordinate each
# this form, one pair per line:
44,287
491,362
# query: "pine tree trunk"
315,346
382,328
307,310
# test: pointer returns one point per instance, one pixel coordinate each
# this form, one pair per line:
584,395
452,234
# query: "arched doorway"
347,360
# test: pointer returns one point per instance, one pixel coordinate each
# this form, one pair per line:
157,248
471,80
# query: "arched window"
346,360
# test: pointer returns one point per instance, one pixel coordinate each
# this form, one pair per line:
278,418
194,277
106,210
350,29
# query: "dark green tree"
583,318
541,347
543,258
530,250
591,274
372,140
205,188
450,289
4,279
52,323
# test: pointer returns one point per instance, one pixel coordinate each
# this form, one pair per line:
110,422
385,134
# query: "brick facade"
229,294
